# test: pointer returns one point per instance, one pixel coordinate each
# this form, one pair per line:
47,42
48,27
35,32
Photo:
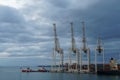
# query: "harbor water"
14,73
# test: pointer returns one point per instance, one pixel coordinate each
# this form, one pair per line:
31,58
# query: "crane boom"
57,45
84,38
73,40
99,47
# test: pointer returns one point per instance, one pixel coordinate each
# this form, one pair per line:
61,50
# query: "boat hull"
35,71
110,72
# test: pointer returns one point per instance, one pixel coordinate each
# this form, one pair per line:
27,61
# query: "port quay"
77,65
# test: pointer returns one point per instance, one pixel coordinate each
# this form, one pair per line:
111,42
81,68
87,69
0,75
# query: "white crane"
85,49
99,50
57,48
73,49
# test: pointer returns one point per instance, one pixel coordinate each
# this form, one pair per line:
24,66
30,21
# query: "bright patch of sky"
12,3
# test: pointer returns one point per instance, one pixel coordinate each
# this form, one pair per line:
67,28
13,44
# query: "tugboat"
42,70
113,69
27,70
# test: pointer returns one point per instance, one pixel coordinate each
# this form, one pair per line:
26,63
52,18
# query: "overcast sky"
26,28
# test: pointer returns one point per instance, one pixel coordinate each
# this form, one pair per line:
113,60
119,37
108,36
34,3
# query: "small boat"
42,70
26,70
39,70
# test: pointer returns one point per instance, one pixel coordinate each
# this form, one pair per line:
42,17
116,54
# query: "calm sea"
14,73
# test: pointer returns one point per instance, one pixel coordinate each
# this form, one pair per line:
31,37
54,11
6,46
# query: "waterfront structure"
99,50
77,64
84,50
75,51
57,50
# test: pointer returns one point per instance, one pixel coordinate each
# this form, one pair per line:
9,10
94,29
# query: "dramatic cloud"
20,38
26,28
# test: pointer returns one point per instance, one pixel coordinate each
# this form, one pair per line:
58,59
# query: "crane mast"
85,49
100,50
99,47
73,48
73,40
57,46
84,38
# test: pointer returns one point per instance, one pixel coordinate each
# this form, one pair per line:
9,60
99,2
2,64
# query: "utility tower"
99,50
73,50
85,49
58,50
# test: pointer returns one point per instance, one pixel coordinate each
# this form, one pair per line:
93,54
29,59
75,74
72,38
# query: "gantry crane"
73,49
85,49
100,50
57,48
